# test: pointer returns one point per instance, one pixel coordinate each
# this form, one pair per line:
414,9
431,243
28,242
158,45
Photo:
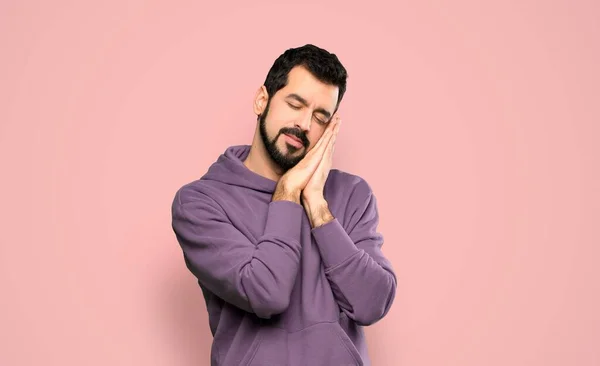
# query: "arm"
256,278
362,279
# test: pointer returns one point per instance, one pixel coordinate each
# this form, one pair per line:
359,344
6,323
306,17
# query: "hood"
230,169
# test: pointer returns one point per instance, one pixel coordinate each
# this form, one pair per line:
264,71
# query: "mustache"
296,133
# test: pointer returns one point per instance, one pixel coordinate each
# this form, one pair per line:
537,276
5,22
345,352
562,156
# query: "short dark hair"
325,66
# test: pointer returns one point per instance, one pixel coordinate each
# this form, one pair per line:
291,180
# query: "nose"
304,122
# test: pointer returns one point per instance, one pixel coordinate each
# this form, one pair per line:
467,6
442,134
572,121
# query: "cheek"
281,112
276,119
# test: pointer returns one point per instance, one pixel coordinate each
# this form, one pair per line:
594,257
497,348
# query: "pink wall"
477,126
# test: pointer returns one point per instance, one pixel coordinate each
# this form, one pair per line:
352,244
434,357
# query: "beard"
285,160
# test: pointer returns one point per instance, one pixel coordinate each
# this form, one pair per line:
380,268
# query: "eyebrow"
323,111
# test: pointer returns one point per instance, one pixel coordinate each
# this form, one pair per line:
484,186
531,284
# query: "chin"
290,150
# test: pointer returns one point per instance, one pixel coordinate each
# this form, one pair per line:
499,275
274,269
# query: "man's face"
296,117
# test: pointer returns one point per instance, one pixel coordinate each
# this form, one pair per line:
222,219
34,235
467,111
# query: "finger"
331,145
330,129
326,161
315,156
336,127
326,158
323,140
337,119
329,135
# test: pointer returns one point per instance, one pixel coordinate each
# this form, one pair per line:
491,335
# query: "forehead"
305,84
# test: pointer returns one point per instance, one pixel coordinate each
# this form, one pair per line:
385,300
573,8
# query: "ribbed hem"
334,243
284,219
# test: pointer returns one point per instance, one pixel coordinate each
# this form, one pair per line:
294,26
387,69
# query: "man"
285,248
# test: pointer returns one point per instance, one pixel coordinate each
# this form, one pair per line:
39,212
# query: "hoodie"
279,292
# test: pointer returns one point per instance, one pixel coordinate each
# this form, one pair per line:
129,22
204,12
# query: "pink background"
476,125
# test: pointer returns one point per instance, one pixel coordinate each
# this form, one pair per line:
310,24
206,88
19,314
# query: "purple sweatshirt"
277,291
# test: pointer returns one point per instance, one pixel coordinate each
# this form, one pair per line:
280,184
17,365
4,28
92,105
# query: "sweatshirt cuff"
334,243
284,219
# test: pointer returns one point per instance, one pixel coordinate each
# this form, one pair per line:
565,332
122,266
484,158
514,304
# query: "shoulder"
348,183
347,193
197,191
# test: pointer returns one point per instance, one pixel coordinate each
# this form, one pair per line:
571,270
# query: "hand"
313,191
294,181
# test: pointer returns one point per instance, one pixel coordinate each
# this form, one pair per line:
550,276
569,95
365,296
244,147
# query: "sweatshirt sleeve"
361,277
257,278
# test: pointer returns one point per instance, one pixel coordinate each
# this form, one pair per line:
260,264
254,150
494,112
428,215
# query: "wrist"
317,210
314,197
284,192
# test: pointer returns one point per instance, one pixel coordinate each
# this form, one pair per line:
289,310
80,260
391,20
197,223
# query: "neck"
259,161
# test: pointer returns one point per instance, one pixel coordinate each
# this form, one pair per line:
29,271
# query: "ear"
260,101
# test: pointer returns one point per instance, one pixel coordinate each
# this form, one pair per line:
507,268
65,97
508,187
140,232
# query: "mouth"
293,140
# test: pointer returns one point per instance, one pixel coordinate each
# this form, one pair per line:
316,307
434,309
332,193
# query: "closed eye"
297,107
